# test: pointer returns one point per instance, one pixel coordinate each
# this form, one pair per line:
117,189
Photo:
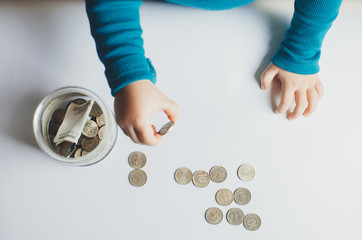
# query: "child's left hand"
307,90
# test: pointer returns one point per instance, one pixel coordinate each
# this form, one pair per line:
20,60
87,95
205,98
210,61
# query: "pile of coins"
91,136
137,160
224,197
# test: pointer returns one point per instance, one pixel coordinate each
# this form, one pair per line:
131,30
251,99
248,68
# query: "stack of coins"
137,160
224,197
91,136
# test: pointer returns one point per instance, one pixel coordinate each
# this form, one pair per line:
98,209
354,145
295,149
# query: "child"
116,29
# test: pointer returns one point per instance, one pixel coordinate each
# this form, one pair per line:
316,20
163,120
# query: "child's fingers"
313,99
301,104
147,135
320,89
171,109
286,99
267,76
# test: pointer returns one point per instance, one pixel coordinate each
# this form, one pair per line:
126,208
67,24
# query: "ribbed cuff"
127,70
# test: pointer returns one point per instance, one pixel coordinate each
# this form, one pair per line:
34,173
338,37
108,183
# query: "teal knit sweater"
115,26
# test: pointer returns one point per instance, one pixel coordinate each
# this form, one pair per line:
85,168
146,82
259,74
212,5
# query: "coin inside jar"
101,121
90,129
183,176
89,144
96,110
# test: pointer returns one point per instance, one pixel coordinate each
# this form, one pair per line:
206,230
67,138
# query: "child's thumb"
268,75
171,109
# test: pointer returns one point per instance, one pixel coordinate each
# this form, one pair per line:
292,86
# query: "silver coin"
101,132
218,174
84,153
246,172
252,222
235,216
101,121
138,178
213,215
224,197
166,128
242,196
183,176
137,160
90,129
78,153
201,179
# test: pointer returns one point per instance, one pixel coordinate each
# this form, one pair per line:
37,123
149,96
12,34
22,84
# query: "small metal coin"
59,114
66,148
246,172
79,143
218,174
252,222
78,153
137,160
90,129
138,178
53,127
96,110
89,144
235,216
101,132
101,121
242,196
84,153
213,215
224,197
166,128
201,179
183,176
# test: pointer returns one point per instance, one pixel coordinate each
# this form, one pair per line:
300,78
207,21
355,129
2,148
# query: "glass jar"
59,99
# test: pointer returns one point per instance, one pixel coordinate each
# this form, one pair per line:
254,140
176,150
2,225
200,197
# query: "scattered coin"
213,215
137,160
224,197
183,176
201,179
166,128
138,178
218,174
96,110
252,222
89,144
101,121
101,132
90,129
78,153
235,216
246,172
242,196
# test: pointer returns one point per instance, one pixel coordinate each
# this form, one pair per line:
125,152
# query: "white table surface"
309,171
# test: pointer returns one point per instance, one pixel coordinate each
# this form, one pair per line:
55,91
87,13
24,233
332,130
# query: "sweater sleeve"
115,27
300,51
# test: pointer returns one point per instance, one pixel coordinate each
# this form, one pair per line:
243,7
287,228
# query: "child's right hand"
136,104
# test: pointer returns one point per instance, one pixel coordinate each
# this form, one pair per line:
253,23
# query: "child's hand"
136,104
307,90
